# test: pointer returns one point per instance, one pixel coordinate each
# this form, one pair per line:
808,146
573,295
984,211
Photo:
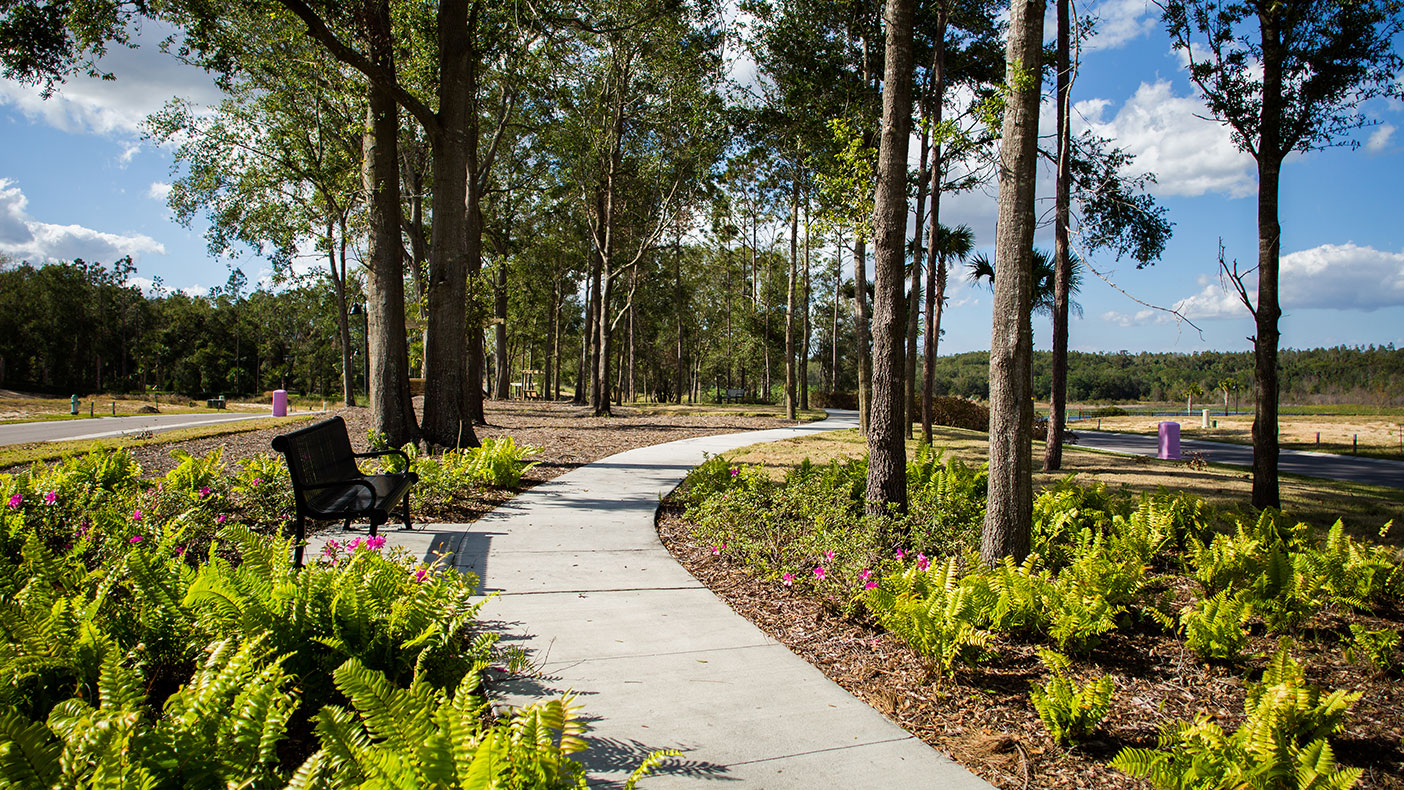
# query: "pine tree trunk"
860,317
807,330
1270,154
909,405
1062,262
343,323
935,264
1009,507
790,394
587,334
887,456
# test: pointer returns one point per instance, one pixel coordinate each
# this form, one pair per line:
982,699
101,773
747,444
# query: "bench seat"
329,486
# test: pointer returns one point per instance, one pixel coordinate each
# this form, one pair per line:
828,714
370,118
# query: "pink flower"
922,562
829,555
333,545
51,497
716,550
819,571
135,539
220,518
375,543
870,585
204,491
136,515
180,551
257,480
788,579
900,555
16,500
419,575
864,576
353,545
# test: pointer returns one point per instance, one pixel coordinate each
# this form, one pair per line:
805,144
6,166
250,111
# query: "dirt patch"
983,717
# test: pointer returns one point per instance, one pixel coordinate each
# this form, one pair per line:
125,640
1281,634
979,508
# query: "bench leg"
404,512
301,530
374,524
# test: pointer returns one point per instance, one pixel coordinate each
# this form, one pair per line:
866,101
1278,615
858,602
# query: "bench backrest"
319,453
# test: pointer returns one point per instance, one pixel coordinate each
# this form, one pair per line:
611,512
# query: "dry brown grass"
1364,509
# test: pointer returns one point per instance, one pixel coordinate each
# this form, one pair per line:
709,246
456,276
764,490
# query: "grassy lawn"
43,409
14,455
1378,437
1363,508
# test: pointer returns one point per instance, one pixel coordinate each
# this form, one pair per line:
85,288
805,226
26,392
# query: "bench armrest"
359,481
391,451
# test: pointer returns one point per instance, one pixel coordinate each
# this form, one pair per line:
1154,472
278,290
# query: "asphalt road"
107,427
1374,471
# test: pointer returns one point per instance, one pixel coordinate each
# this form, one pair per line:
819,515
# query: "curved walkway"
657,660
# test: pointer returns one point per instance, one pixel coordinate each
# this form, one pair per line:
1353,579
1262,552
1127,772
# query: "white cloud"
1126,319
1188,154
1329,277
145,79
1379,139
1119,22
25,238
159,191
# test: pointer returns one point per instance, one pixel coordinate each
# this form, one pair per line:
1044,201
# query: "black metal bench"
328,486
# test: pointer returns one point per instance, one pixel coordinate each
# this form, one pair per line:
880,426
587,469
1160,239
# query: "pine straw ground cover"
981,714
567,437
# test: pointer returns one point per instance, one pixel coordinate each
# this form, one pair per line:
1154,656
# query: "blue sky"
77,180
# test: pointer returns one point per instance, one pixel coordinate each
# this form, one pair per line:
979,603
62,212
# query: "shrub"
960,413
1069,712
1282,743
837,399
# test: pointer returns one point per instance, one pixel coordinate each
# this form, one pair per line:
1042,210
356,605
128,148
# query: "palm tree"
952,244
981,269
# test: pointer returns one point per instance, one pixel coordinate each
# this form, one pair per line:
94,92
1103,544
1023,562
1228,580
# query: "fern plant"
1068,711
427,738
1281,745
500,462
1374,649
1022,595
222,728
1215,626
934,613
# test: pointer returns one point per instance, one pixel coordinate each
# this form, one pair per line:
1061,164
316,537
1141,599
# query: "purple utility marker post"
1170,441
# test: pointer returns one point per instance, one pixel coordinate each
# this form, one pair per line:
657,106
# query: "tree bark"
1270,155
1009,507
804,345
343,324
499,332
392,413
909,404
935,264
1062,262
446,377
790,394
860,317
887,456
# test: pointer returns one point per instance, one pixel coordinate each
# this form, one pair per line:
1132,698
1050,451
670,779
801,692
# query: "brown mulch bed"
568,435
983,718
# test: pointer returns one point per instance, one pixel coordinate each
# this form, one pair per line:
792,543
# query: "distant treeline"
80,327
1372,375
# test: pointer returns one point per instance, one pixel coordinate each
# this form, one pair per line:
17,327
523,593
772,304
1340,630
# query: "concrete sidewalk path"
656,659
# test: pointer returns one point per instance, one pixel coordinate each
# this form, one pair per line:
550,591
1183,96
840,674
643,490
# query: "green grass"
25,454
